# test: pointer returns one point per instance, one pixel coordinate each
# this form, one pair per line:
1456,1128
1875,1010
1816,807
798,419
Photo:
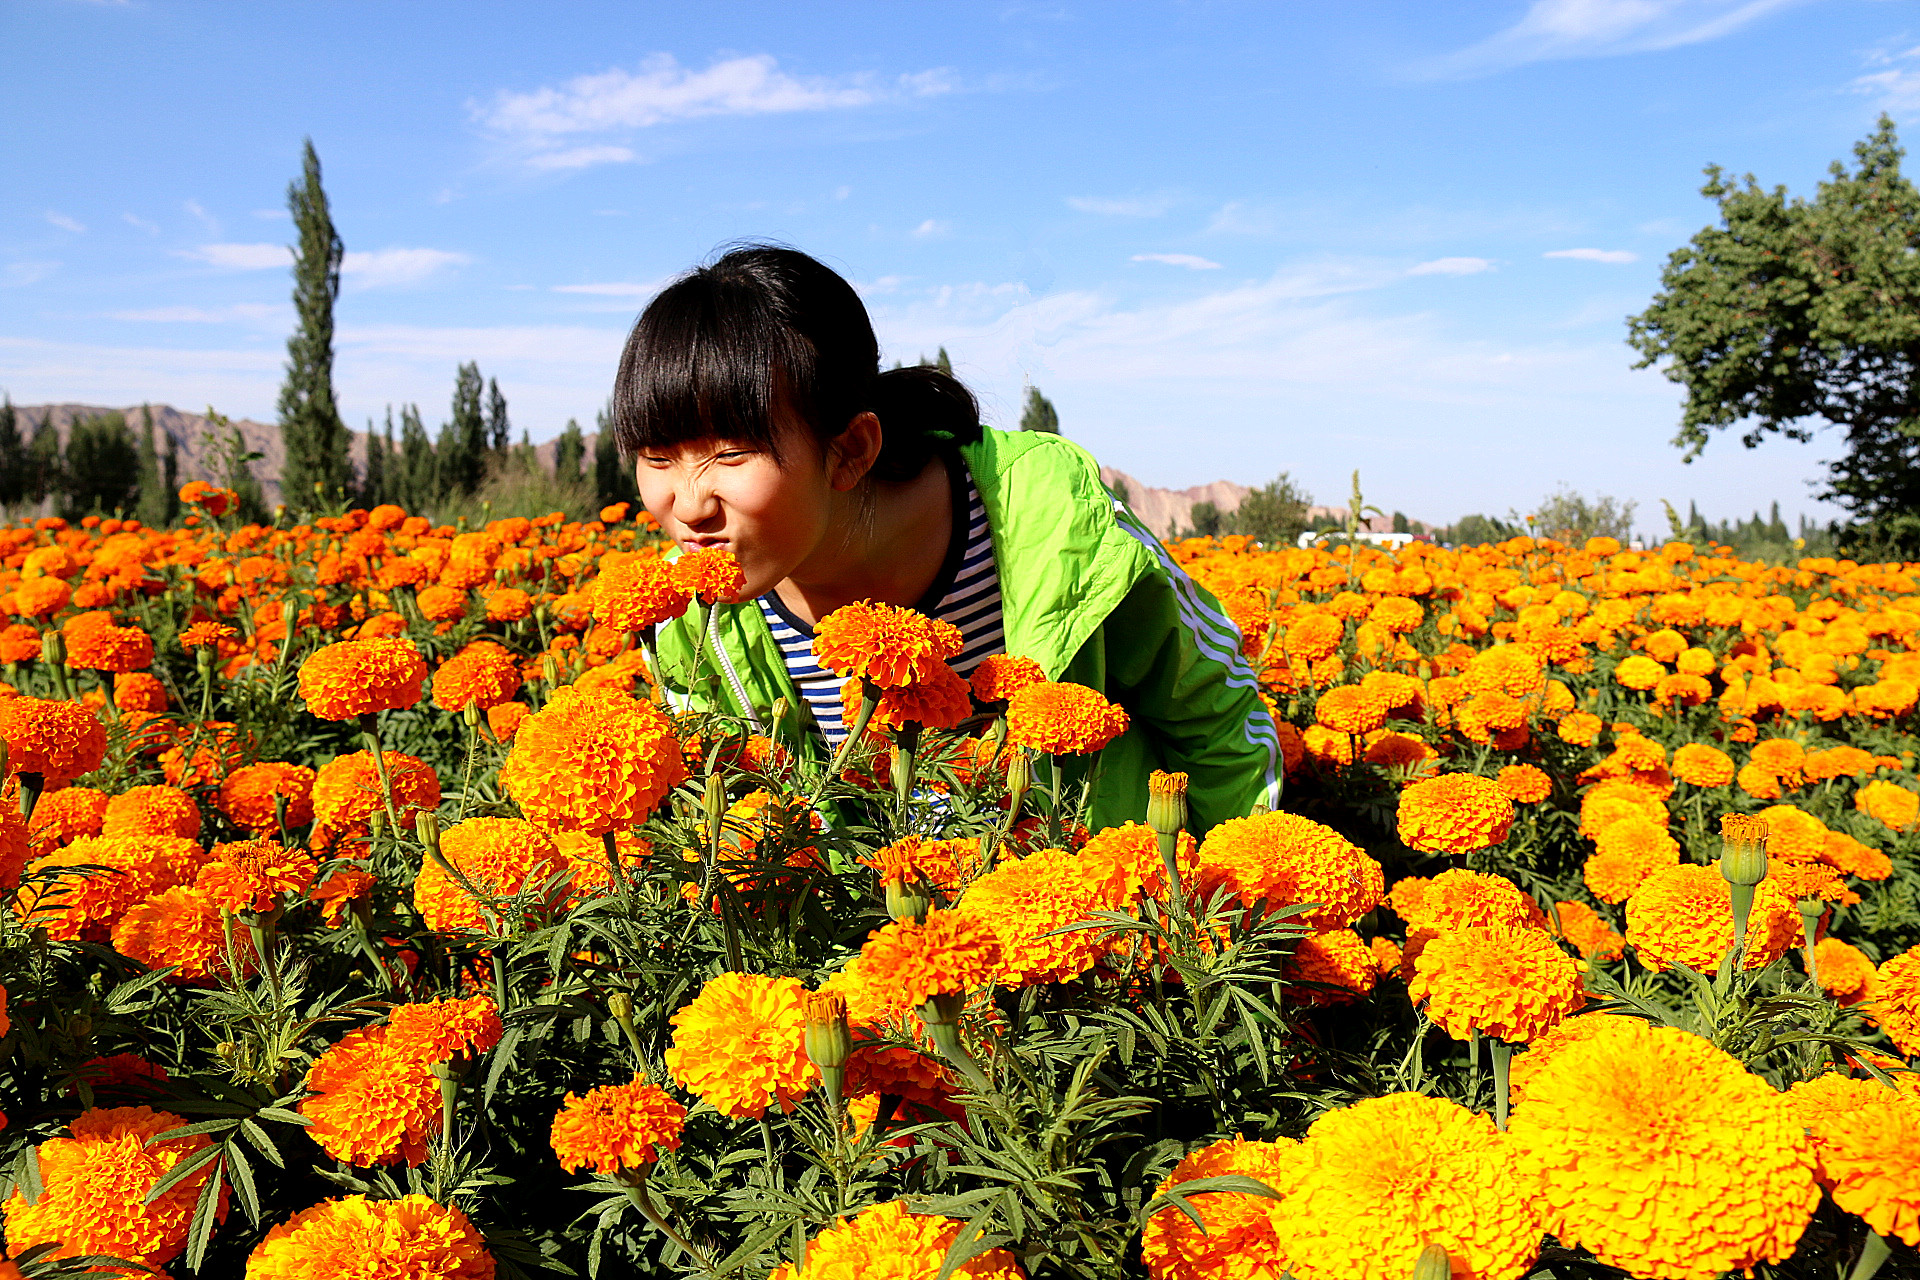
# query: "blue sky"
1226,238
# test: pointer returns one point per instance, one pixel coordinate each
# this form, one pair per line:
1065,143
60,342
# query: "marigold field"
371,914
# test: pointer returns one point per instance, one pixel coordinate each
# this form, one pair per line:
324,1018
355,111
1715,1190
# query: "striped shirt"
966,593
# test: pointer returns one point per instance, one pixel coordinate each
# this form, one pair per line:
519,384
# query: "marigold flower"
1350,709
1780,757
949,953
1845,972
938,702
1505,668
1338,966
16,842
1459,899
886,1242
105,647
73,905
1024,901
441,1030
742,1042
710,575
1889,803
1579,728
441,604
1379,1181
65,815
216,751
1662,1155
1638,672
1625,854
152,811
501,857
947,865
57,740
1123,862
1838,762
139,691
247,795
1511,983
1866,1149
1454,813
638,594
504,721
373,1102
1061,719
409,1237
617,1126
593,760
887,644
1699,765
1290,861
205,634
97,1183
1239,1238
508,604
183,927
1524,784
346,792
1001,675
351,678
483,674
254,875
1684,915
1896,1000
1581,925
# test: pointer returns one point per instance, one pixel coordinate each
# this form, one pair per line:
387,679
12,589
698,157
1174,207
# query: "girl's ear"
853,452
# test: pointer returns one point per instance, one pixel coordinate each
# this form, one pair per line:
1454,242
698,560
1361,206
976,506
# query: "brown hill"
191,435
1164,511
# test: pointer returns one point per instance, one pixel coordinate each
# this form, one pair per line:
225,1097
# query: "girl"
751,398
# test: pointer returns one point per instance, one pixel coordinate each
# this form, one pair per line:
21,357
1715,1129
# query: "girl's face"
772,514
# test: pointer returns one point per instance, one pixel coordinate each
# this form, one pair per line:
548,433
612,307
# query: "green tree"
102,467
1792,315
1039,414
1572,518
612,479
44,475
13,456
568,452
230,462
1476,530
499,430
311,432
463,440
416,486
1208,520
1275,513
157,498
373,481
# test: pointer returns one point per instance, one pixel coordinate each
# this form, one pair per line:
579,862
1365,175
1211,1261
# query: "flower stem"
370,730
1872,1254
1502,1054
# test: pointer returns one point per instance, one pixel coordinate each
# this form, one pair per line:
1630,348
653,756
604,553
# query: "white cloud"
1238,218
240,257
271,215
930,228
17,275
140,224
1191,260
239,312
200,215
1898,87
613,289
1452,267
662,91
65,223
1126,207
1615,256
1554,29
367,269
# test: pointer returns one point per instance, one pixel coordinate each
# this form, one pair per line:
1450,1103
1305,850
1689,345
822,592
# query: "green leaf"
182,1171
200,1234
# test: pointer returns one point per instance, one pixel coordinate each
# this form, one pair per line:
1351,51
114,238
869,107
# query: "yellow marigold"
247,795
1524,784
1688,691
372,1102
65,815
1896,1000
710,574
741,1042
1663,1156
352,678
1338,965
1002,675
1839,762
441,1030
185,928
617,1126
1757,782
502,857
1387,956
71,905
1313,637
482,675
1397,614
1699,765
1684,915
1454,813
1845,972
1625,854
1696,661
1291,861
105,647
1581,925
1885,699
949,953
638,594
1579,728
1638,672
886,1242
151,811
1618,798
346,791
1379,1181
1511,983
1866,1149
97,1183
1350,708
1505,668
1061,718
1577,1029
1889,803
593,760
57,740
1239,1238
412,1237
1024,901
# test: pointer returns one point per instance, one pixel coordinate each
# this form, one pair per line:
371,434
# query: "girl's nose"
695,503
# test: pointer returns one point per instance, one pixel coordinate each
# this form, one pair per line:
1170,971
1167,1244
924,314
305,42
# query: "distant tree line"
1274,514
103,468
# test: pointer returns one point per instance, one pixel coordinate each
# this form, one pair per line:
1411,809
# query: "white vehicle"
1392,541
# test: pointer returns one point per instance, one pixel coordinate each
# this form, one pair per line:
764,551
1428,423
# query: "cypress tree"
43,470
943,364
417,486
152,503
373,485
499,430
1039,414
311,432
612,481
170,482
463,440
569,451
13,456
102,467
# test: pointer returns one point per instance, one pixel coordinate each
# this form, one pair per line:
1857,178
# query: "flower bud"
1019,774
829,1039
620,1005
289,614
470,715
781,709
1167,802
715,805
1434,1264
53,647
909,897
944,1009
426,827
1743,857
225,1050
549,670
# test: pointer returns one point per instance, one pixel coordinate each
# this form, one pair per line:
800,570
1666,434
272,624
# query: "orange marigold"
937,702
247,795
886,1242
352,678
346,791
1889,803
441,1030
105,647
1684,915
1350,709
139,691
441,603
185,928
65,815
1379,1181
255,875
1662,1155
1625,854
885,643
1866,1149
1524,784
593,760
412,1237
152,811
741,1042
949,953
1781,758
1001,675
1579,728
97,1184
709,575
1239,1238
617,1126
638,594
1454,813
501,857
1458,899
1514,984
483,675
203,634
1024,901
1581,925
1699,765
1290,861
372,1102
1896,1000
57,740
1844,970
1061,718
1331,968
1638,672
504,721
73,905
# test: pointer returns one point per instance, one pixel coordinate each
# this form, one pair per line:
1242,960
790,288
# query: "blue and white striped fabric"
966,593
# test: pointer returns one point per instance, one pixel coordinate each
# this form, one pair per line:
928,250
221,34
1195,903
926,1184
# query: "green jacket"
1095,599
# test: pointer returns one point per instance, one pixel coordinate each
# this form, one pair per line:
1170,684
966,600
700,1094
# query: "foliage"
1572,517
101,472
1038,414
1274,514
311,432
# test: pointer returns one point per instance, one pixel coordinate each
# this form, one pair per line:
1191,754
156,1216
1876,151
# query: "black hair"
724,348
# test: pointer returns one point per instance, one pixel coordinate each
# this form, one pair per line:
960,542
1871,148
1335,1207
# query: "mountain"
1164,511
190,435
